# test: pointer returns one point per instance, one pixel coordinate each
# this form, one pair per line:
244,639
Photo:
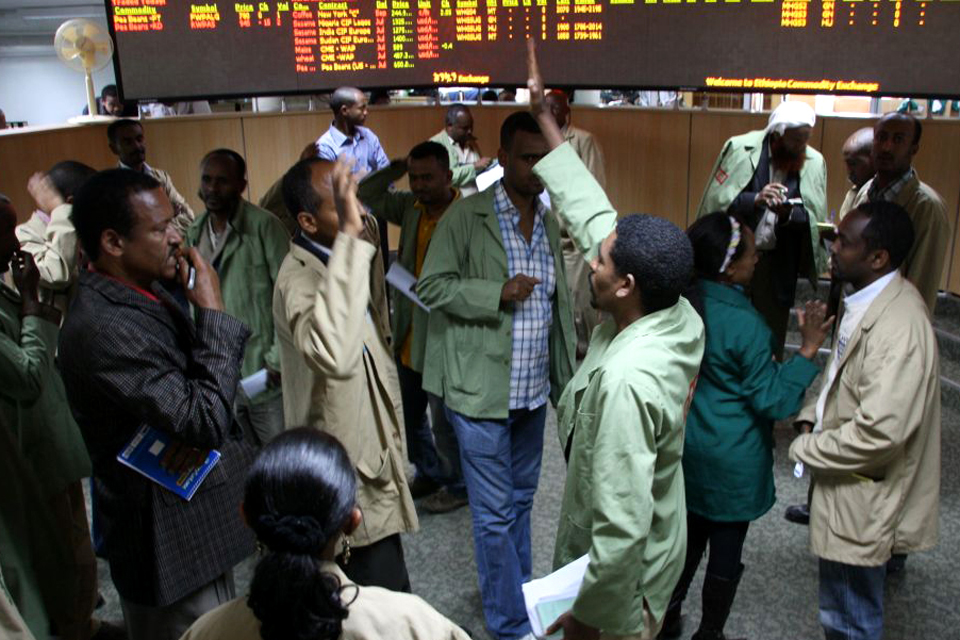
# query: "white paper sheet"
405,282
488,177
563,583
255,383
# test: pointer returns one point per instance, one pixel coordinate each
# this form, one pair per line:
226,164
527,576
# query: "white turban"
790,115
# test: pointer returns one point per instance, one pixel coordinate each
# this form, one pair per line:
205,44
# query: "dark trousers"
726,546
380,564
436,453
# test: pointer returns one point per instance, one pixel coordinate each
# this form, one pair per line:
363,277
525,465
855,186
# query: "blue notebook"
145,451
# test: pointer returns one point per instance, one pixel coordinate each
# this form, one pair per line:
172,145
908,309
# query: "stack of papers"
548,598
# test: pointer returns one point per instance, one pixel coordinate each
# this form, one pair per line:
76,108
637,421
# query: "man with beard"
457,138
776,182
896,140
246,245
417,212
500,343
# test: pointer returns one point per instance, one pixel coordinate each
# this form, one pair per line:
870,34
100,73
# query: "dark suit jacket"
126,361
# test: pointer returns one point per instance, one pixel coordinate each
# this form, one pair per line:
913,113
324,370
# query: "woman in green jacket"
742,390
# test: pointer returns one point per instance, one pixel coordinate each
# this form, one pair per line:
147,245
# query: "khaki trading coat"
339,374
923,266
877,460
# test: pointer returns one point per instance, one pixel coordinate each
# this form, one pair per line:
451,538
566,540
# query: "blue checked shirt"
532,318
364,147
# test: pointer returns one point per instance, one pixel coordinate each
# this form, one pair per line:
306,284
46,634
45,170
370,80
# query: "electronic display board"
190,49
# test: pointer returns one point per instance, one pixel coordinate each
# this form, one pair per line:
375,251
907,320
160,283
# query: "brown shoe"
443,502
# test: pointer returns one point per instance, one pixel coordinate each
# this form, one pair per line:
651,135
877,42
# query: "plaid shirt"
532,318
892,190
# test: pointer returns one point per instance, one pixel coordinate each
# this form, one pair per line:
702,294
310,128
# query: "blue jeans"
501,467
851,601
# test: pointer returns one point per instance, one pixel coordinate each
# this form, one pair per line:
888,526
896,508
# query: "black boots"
672,623
718,595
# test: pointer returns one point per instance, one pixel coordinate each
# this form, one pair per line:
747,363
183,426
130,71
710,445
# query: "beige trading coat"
339,373
374,614
877,460
923,266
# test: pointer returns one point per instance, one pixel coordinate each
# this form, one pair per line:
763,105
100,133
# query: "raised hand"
349,209
548,125
44,192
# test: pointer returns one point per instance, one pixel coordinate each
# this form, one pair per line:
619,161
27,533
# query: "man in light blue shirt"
348,136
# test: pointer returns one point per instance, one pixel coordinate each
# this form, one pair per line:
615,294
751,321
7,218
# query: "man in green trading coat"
45,549
246,245
621,417
776,182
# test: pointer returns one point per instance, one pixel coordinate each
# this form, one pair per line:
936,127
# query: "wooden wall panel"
657,161
645,158
273,143
21,154
177,145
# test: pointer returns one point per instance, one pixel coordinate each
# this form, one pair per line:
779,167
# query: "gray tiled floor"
777,599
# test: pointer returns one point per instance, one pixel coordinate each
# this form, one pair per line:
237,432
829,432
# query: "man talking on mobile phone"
131,356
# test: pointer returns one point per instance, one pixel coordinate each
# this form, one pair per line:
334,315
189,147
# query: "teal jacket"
404,209
620,424
469,337
248,268
728,453
734,169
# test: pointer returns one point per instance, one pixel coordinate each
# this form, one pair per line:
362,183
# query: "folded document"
548,598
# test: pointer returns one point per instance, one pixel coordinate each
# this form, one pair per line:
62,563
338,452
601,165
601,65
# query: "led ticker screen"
181,49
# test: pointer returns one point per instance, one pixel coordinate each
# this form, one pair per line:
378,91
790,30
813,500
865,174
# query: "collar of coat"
725,293
874,312
164,307
240,223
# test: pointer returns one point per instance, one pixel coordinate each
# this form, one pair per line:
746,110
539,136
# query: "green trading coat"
248,267
728,451
404,209
469,337
620,423
734,169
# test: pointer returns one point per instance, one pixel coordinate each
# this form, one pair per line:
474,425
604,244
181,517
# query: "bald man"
857,156
465,159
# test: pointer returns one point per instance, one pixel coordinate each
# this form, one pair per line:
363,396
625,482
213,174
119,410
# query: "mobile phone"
192,278
795,202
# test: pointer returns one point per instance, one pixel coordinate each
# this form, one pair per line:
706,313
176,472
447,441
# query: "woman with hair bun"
741,391
300,500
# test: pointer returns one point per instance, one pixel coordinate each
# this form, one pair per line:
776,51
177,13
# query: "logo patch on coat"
721,176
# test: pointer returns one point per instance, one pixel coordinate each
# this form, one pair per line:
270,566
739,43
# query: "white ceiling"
27,26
